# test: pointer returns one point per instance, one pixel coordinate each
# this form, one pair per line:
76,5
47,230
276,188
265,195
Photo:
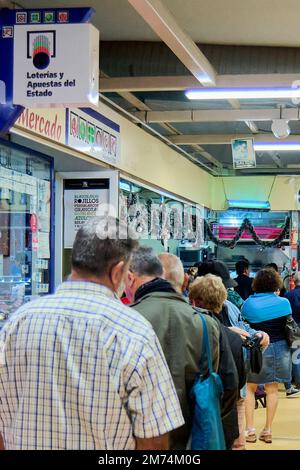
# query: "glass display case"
268,226
26,232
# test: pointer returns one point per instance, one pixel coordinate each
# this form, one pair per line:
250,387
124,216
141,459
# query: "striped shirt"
80,370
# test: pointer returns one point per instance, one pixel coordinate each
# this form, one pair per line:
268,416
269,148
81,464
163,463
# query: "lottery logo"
41,48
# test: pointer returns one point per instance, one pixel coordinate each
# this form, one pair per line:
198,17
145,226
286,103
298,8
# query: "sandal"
266,436
250,435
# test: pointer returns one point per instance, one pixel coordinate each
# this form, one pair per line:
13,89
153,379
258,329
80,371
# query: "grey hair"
99,245
145,262
173,270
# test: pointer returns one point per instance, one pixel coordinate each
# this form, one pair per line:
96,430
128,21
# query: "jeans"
295,352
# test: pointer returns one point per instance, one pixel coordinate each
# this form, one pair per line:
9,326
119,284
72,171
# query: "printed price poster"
243,154
79,206
43,248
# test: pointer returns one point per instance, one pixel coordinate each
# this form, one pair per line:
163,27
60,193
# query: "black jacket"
244,287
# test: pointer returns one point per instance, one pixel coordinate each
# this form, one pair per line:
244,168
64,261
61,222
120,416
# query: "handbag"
292,330
256,356
207,429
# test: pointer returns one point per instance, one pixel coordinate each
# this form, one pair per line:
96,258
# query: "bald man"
178,329
174,272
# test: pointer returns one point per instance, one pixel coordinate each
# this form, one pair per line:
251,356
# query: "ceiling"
241,22
255,39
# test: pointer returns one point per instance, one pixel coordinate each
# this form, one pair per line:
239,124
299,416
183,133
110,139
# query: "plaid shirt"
79,370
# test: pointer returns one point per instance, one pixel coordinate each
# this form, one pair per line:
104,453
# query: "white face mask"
122,286
121,289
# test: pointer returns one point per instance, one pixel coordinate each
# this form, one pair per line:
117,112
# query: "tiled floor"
286,427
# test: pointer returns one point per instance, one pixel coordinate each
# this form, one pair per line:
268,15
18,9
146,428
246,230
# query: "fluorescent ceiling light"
245,204
241,93
274,146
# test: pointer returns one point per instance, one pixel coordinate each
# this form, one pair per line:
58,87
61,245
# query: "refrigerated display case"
268,226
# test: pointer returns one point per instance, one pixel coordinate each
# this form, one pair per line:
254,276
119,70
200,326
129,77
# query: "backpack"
207,429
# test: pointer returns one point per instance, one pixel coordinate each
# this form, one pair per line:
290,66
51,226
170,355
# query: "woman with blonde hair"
208,292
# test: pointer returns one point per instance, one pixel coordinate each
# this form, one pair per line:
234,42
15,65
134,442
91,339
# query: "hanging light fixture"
280,127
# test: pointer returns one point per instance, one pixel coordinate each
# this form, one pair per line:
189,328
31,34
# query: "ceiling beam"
219,115
134,101
277,160
7,4
177,83
252,126
138,104
130,97
167,83
165,25
204,153
221,139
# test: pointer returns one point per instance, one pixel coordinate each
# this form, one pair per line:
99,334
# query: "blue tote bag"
207,429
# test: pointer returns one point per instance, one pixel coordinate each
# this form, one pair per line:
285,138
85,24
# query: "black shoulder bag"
292,330
256,357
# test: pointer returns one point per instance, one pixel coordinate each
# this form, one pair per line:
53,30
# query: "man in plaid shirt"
80,370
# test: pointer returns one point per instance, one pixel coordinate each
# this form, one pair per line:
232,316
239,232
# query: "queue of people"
80,369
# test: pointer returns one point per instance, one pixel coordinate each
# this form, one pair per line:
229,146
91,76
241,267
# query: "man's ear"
117,274
130,279
186,281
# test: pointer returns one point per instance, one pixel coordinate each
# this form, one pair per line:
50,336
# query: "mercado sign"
84,130
92,133
48,123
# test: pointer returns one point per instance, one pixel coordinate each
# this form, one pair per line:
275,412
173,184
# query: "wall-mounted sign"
94,134
84,130
56,64
49,123
243,154
50,57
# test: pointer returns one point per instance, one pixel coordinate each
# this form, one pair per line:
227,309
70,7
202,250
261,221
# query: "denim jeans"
295,352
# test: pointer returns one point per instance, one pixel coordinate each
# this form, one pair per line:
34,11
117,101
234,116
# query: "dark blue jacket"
244,286
294,297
